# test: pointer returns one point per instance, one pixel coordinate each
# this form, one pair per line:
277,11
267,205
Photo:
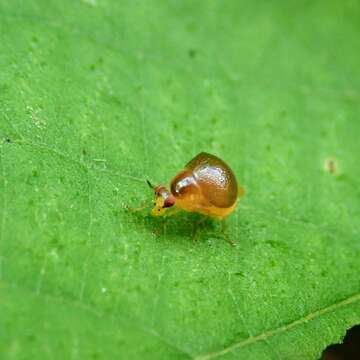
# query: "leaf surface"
97,96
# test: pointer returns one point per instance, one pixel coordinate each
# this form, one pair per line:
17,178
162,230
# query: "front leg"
140,208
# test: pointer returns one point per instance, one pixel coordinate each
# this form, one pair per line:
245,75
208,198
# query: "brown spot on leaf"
331,165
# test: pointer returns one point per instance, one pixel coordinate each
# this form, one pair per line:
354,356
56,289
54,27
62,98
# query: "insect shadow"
195,227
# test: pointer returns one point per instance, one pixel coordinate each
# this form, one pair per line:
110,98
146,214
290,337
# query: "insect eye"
169,201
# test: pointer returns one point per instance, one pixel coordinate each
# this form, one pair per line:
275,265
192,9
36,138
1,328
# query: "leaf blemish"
192,53
331,165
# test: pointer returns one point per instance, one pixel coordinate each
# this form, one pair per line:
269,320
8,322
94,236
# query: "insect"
206,185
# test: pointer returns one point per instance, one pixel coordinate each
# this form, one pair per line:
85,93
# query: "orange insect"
206,185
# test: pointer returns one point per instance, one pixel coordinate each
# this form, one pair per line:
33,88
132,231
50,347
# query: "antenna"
151,185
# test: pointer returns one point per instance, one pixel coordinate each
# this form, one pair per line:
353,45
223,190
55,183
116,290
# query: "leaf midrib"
269,333
352,299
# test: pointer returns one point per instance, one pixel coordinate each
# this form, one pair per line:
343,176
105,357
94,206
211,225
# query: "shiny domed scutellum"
206,185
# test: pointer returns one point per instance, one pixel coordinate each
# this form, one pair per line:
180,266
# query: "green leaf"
96,96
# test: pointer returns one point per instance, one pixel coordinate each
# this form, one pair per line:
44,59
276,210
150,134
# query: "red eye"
169,201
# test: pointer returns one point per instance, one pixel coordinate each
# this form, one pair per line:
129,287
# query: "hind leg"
225,234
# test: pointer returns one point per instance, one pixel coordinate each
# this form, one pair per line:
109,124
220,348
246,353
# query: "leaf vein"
269,333
76,304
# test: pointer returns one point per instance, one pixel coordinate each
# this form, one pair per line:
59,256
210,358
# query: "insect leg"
140,208
225,234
